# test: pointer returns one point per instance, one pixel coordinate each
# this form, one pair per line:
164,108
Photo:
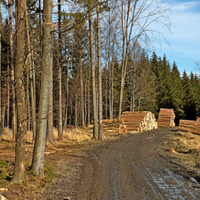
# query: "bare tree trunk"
3,115
67,95
30,74
95,118
88,83
106,102
100,135
0,72
39,148
12,69
19,168
81,83
110,74
27,98
112,85
40,29
33,108
70,116
8,92
60,124
85,103
126,43
50,107
76,112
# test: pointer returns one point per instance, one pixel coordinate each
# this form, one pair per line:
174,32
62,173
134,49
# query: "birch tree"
137,18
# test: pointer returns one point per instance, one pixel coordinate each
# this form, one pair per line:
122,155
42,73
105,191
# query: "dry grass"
183,149
184,141
74,134
77,134
6,134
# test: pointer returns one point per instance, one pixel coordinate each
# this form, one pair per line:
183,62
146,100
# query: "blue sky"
184,38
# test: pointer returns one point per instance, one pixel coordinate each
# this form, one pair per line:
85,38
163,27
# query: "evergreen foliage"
177,93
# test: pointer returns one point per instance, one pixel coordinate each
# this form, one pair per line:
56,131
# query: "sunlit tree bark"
39,148
60,124
95,118
12,69
0,73
100,134
19,168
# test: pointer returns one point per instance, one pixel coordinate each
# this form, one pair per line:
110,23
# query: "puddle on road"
174,185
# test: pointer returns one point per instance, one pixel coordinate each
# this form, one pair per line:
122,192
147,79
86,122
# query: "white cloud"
184,6
184,37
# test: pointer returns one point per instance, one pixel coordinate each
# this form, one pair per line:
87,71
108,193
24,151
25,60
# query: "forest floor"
165,162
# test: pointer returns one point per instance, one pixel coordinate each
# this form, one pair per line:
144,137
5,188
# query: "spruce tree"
197,99
164,78
188,97
194,92
177,93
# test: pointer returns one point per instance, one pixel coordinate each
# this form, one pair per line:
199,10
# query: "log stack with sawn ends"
191,126
166,118
138,121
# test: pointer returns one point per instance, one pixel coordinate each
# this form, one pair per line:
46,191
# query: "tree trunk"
105,96
126,42
60,124
27,98
110,75
39,148
82,100
12,69
85,103
88,90
19,168
100,135
50,107
30,74
76,112
0,72
70,116
67,95
3,115
8,92
95,118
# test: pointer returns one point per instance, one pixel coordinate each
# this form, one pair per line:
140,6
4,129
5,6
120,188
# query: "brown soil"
159,164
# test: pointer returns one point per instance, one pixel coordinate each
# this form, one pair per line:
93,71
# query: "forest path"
131,168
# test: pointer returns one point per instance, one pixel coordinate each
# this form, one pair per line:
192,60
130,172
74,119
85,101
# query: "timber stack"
111,124
138,121
191,126
186,125
166,118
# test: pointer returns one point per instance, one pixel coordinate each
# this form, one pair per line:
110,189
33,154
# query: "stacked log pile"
111,124
191,126
166,118
138,121
197,127
186,125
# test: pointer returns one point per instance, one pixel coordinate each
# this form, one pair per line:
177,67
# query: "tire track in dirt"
130,168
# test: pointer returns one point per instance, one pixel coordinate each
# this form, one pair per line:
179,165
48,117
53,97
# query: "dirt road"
131,168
